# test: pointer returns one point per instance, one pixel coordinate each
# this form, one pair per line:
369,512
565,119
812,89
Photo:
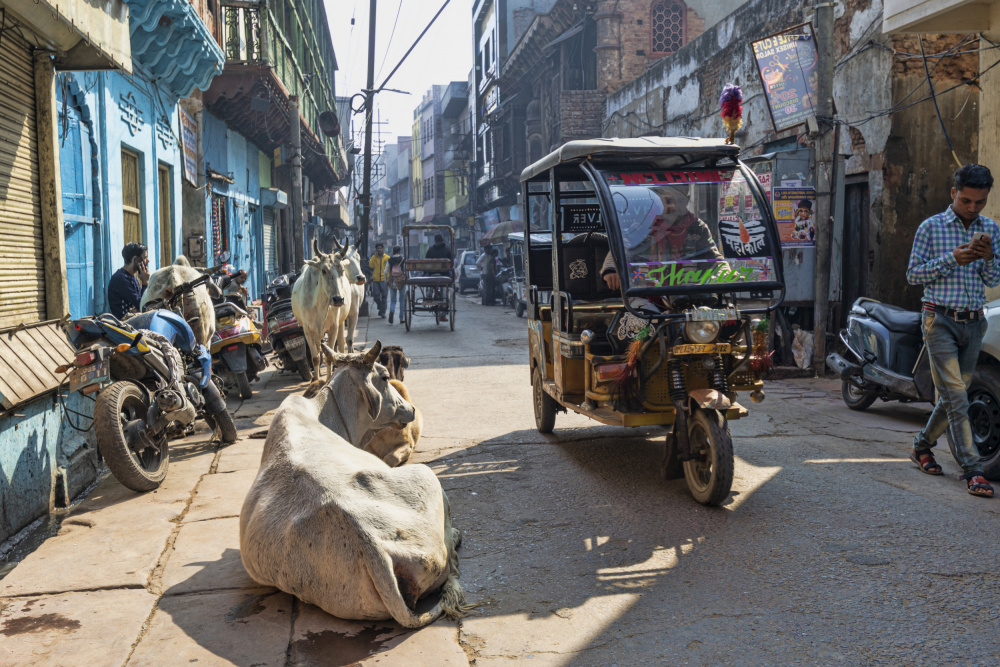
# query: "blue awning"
172,45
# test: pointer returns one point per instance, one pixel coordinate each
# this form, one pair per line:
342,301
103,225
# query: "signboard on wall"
189,144
786,63
794,212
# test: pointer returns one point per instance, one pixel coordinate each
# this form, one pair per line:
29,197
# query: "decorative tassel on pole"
731,102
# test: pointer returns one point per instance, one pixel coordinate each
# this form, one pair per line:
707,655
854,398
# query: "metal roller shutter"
22,273
268,219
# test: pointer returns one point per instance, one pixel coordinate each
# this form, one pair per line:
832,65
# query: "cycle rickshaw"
686,228
430,282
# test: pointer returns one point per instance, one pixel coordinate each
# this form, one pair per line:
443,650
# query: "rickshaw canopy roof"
658,152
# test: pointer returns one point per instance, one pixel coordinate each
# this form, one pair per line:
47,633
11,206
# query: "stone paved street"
833,549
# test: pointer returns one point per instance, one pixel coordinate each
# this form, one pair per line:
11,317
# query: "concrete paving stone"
114,538
232,628
220,494
88,628
243,455
206,557
319,639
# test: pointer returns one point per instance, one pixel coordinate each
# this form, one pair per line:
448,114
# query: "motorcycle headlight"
701,332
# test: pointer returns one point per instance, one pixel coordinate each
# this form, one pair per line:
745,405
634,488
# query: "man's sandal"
925,461
978,485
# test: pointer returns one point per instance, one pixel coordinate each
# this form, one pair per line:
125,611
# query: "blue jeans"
396,294
953,349
378,293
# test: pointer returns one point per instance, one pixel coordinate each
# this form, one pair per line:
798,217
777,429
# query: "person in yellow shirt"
377,264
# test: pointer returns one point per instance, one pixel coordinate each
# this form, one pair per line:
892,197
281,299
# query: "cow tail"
380,569
453,601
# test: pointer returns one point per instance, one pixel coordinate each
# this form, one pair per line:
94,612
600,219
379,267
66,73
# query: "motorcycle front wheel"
856,398
119,420
224,422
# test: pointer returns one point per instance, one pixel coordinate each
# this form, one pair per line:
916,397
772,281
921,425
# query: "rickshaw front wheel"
545,405
709,475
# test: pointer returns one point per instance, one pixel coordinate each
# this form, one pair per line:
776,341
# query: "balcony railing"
254,37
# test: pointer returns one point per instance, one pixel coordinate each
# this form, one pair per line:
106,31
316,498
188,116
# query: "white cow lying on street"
335,526
197,307
318,299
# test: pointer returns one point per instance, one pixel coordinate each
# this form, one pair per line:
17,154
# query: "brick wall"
581,112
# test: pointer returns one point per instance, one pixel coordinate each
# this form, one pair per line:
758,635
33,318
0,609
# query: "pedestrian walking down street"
377,264
488,270
128,283
397,283
954,259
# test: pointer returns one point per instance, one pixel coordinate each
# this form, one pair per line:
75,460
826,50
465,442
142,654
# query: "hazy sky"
443,55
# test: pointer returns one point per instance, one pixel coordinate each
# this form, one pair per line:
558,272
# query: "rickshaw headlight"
701,332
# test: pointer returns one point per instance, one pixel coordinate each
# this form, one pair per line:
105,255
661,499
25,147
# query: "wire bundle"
731,102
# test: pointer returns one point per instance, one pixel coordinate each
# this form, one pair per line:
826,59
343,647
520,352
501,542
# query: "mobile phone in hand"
981,236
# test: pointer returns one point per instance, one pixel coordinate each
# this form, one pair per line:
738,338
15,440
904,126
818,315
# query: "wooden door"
131,197
166,216
855,245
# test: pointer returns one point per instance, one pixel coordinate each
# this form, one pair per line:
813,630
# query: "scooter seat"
894,318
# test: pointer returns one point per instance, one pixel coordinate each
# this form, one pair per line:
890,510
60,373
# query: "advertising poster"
786,63
794,211
189,143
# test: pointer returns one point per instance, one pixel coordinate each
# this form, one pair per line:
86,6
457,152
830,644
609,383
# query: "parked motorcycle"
149,391
500,290
888,361
284,332
505,283
236,351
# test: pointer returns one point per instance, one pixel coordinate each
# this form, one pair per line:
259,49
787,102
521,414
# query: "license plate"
710,348
84,376
291,343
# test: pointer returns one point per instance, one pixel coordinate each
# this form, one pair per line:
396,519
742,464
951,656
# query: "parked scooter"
149,390
505,283
236,352
284,332
888,360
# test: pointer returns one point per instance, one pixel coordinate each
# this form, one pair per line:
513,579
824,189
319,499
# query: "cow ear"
404,361
371,356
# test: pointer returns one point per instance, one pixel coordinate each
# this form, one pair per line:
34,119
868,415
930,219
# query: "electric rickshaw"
430,281
686,229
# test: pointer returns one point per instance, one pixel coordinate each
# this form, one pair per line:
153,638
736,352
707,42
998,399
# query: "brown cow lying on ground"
335,526
392,358
394,445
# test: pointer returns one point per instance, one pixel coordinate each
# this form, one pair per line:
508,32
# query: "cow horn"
316,251
371,356
336,245
212,269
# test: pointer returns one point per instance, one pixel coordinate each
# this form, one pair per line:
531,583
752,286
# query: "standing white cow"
196,307
318,299
334,525
352,263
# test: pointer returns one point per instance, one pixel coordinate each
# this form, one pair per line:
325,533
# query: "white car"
468,272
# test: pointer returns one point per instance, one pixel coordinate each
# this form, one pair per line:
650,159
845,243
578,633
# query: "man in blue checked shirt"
953,258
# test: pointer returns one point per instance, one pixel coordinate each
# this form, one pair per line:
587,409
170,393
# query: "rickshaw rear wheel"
453,310
545,405
709,475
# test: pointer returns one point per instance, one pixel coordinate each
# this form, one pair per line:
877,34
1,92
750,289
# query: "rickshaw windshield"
691,231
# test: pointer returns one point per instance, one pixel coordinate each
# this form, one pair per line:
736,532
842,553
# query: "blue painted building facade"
120,165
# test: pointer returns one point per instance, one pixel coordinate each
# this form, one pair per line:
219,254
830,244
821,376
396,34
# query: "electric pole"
366,193
825,179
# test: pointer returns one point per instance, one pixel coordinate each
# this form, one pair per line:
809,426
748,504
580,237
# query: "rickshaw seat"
430,281
583,257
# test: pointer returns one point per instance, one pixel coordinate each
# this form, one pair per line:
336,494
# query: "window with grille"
668,25
131,201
